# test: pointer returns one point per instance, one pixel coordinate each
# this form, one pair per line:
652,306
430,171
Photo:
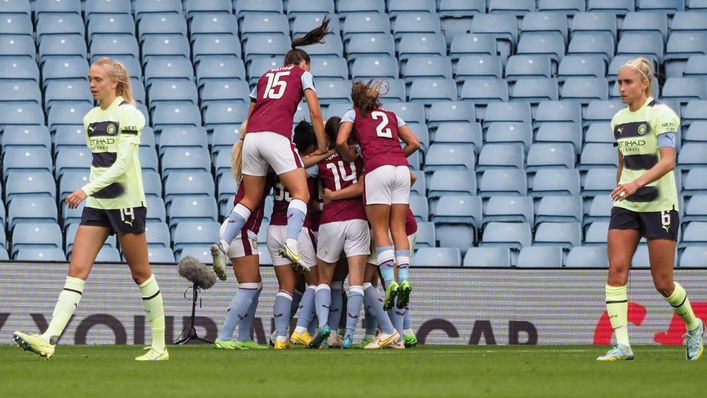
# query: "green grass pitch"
427,371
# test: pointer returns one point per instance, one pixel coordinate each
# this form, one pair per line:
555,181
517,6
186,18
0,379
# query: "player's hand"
328,196
75,198
624,191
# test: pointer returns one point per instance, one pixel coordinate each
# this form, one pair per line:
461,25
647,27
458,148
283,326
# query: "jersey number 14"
340,174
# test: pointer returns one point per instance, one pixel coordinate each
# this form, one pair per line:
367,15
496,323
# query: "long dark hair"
331,129
316,35
366,96
303,137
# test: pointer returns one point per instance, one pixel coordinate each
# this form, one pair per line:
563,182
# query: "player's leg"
295,182
338,302
87,244
357,269
398,214
135,251
306,305
408,334
621,246
370,323
379,217
322,300
287,279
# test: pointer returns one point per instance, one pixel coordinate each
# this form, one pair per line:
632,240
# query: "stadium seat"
548,44
413,44
501,156
344,8
599,132
695,181
555,181
457,209
369,22
534,90
696,132
427,67
303,23
428,91
214,44
396,7
487,257
329,67
478,65
168,90
509,132
419,207
115,44
160,255
641,43
523,66
416,23
193,138
212,23
70,67
504,27
646,22
597,155
694,257
195,233
17,45
509,209
156,210
173,68
19,68
50,24
23,136
164,45
374,67
564,234
691,155
596,233
157,234
592,43
446,156
513,7
484,90
599,181
178,183
61,45
696,66
165,114
543,155
581,65
587,257
472,43
198,251
74,158
39,254
159,24
184,158
263,6
197,208
458,133
143,8
369,44
602,111
106,7
108,255
32,210
503,181
694,233
26,158
561,132
263,23
545,22
598,209
425,236
62,6
507,112
554,208
669,6
558,111
688,21
224,67
618,7
36,236
271,44
437,257
194,7
585,89
540,257
684,89
507,234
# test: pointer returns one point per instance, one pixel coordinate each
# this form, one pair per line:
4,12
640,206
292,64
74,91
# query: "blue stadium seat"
602,111
648,44
24,183
427,66
396,7
446,182
196,208
693,257
669,6
595,154
148,159
50,24
555,181
416,23
501,156
73,90
419,187
458,133
72,216
183,137
695,181
194,7
487,257
457,209
333,91
161,24
20,91
646,22
585,89
275,44
540,257
599,132
509,132
587,257
111,24
694,233
484,90
555,208
459,236
618,7
146,7
581,65
507,112
472,43
599,181
32,210
596,233
117,44
446,156
369,44
61,45
507,181
152,182
504,27
516,8
42,253
696,66
156,210
688,21
684,89
509,209
160,255
214,44
168,68
222,164
695,110
19,68
199,183
549,44
592,43
16,24
561,132
184,158
535,90
263,6
430,90
161,90
194,233
157,234
108,255
545,22
598,209
73,158
544,155
508,234
60,6
106,7
528,66
425,235
303,23
437,257
26,158
692,155
564,234
420,208
13,136
14,113
344,8
164,114
296,7
264,23
696,132
225,67
64,113
36,236
460,8
164,44
369,22
329,67
408,111
205,23
695,208
478,65
17,45
70,67
451,111
370,67
412,44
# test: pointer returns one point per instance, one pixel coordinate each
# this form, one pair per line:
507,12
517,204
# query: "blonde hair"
644,67
366,96
117,71
237,155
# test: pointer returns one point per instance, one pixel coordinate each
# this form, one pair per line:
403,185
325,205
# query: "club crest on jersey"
642,129
111,128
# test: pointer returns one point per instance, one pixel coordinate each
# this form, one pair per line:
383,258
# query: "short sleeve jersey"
336,174
106,130
410,223
256,217
277,95
636,135
282,202
377,134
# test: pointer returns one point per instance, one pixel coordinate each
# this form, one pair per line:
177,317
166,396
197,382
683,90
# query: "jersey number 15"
276,87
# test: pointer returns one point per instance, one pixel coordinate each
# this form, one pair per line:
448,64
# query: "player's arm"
314,158
342,142
315,113
412,143
350,192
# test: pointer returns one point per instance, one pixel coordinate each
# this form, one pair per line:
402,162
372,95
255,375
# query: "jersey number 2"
339,172
381,129
276,87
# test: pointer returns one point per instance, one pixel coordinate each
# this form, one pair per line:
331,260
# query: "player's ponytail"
644,67
366,96
314,36
331,129
117,71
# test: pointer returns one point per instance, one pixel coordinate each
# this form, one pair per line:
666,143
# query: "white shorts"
373,258
388,185
266,149
353,237
277,234
241,247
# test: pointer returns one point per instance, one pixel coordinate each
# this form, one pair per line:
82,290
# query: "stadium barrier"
449,305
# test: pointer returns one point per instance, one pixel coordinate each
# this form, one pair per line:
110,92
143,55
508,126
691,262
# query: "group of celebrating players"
365,218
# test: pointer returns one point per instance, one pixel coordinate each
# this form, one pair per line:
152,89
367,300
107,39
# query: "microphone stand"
191,331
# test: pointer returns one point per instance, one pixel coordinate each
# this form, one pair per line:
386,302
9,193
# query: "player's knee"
618,273
664,286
